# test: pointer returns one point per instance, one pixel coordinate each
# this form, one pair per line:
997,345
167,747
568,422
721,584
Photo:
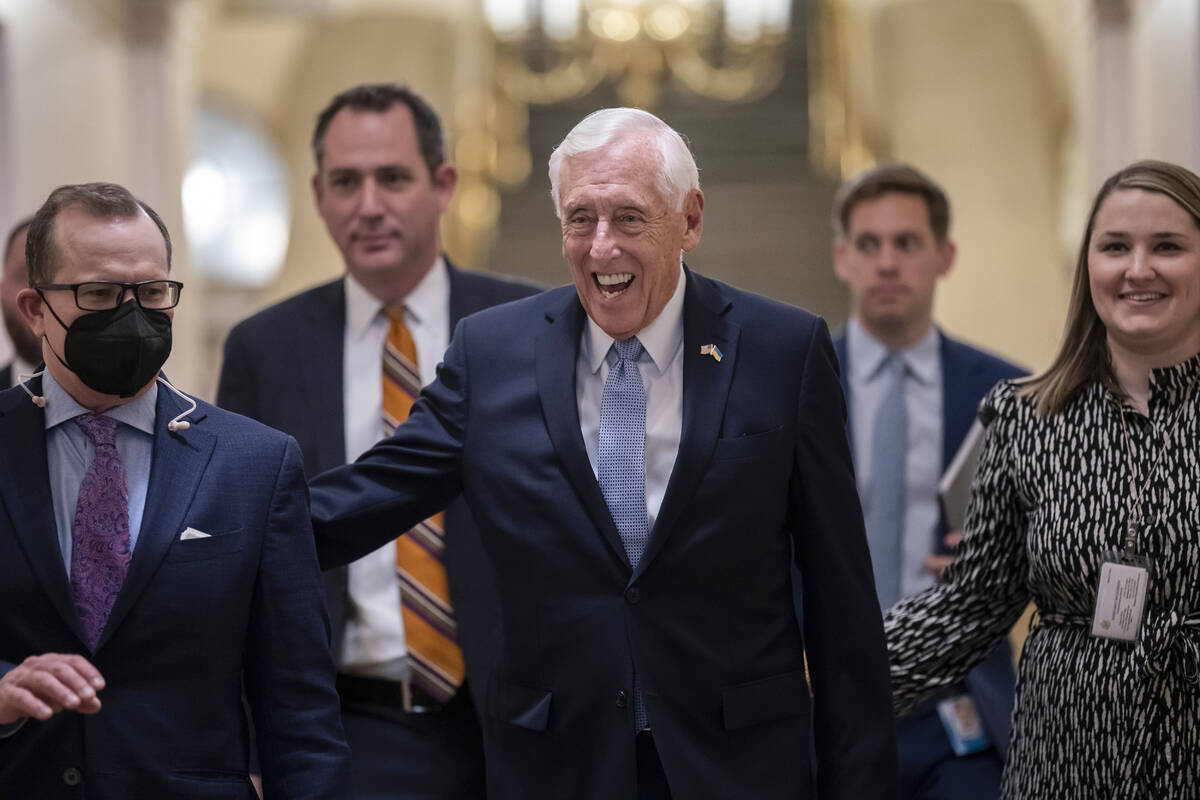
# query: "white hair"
677,174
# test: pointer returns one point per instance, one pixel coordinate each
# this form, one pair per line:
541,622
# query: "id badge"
963,727
1121,598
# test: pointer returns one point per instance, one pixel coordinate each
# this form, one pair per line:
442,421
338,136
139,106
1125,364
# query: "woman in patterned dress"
1072,460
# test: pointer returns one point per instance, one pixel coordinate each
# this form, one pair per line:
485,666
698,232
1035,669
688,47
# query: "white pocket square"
192,533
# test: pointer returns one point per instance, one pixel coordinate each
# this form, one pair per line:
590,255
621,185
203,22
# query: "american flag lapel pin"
711,350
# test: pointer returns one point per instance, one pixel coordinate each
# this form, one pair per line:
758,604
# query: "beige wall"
966,92
1020,107
299,62
97,92
1165,60
104,90
307,61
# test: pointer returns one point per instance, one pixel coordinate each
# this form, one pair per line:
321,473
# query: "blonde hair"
1083,357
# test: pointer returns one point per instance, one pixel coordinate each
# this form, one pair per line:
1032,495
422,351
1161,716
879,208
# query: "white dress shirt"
662,376
373,644
923,400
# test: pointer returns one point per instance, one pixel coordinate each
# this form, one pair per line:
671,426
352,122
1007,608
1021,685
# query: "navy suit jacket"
5,376
193,620
283,367
707,616
967,375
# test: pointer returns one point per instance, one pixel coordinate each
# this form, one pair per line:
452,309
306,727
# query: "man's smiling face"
621,237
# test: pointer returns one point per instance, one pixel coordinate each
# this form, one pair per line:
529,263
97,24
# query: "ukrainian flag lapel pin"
711,350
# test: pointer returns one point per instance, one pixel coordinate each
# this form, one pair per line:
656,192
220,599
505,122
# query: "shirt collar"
138,413
922,359
430,292
661,339
363,308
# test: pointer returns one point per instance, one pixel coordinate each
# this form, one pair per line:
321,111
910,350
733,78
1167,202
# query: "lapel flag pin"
710,350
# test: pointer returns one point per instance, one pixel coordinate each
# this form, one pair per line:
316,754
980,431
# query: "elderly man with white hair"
647,453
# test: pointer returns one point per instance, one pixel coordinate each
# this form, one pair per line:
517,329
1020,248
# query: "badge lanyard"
1125,575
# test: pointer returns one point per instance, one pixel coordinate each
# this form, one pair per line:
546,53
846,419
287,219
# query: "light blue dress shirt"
69,453
662,375
923,395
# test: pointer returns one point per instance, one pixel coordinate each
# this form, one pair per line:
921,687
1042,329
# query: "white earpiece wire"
179,423
38,400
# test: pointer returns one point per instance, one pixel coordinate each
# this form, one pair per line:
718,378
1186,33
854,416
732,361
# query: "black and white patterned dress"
1094,718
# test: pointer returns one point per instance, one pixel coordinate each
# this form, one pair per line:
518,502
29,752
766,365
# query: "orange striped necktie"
430,630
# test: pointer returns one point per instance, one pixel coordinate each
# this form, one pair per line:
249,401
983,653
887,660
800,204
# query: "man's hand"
41,686
937,564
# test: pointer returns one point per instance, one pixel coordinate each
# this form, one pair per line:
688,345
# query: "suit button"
622,699
634,595
72,776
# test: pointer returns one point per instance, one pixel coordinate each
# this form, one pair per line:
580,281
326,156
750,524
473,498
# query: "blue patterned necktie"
622,448
886,499
621,462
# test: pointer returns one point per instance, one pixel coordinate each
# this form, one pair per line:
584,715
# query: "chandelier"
550,51
553,51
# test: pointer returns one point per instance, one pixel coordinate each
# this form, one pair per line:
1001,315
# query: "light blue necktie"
621,462
886,501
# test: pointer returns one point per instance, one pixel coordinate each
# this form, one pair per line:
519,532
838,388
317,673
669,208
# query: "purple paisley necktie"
100,536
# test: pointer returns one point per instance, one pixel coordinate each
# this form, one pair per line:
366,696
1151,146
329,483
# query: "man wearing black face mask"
155,551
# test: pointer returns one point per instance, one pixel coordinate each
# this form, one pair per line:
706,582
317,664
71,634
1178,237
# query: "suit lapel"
176,470
325,338
461,301
706,383
555,356
25,487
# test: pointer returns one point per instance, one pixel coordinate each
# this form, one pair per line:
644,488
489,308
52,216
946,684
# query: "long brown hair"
1083,356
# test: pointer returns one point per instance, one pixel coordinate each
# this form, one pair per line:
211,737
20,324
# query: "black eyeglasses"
106,295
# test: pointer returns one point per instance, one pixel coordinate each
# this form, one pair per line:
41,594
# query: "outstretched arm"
936,637
403,479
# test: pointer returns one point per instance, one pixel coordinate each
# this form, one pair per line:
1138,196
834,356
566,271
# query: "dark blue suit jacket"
283,367
707,616
193,620
967,375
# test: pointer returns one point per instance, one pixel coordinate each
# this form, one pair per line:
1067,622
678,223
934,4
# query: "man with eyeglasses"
156,555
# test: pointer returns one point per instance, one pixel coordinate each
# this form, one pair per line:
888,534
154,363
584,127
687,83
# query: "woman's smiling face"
1144,274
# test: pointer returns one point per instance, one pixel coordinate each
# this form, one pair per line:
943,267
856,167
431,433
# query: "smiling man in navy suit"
646,452
156,556
891,247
